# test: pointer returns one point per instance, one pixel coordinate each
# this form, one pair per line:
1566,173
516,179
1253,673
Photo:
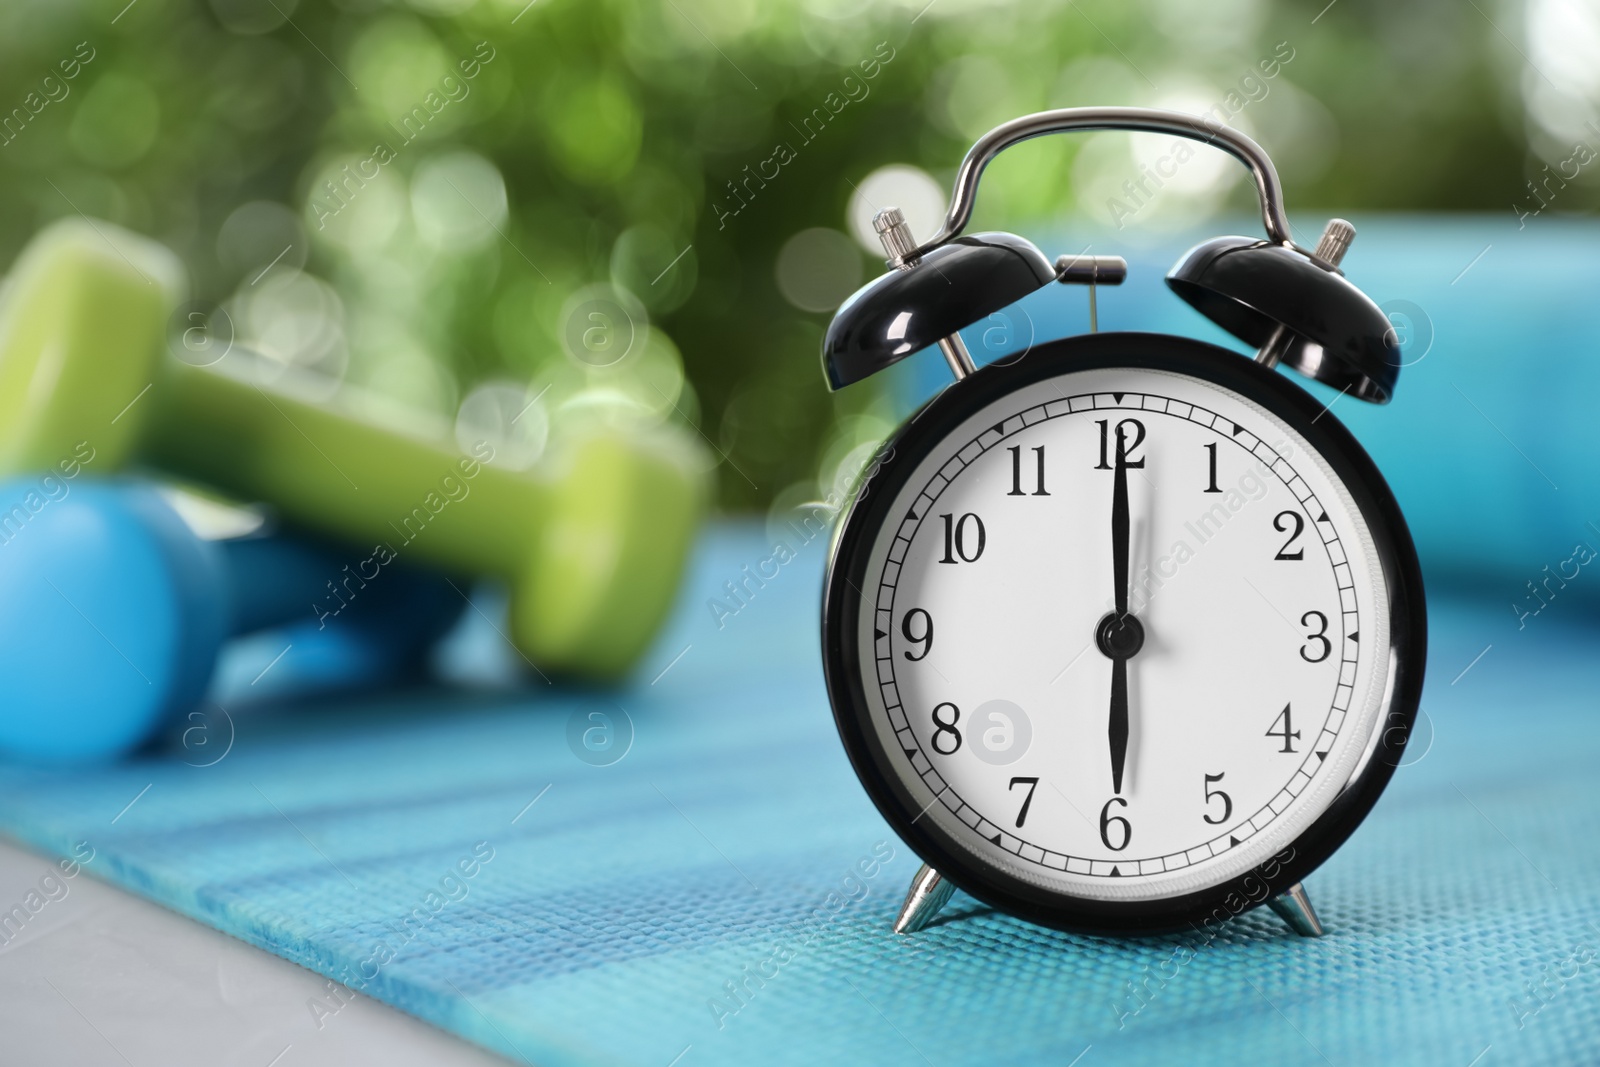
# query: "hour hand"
1120,637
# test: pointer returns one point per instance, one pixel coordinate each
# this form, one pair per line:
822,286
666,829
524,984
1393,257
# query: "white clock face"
1251,574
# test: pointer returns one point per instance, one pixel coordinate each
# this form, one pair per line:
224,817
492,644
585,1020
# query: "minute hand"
1119,527
1117,726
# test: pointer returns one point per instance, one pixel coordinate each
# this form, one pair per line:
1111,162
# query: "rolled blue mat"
1491,439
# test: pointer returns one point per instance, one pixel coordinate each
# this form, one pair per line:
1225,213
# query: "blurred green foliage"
488,160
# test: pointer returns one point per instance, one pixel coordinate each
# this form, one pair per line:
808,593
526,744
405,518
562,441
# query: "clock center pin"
1119,636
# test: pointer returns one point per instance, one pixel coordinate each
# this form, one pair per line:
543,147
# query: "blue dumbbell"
113,611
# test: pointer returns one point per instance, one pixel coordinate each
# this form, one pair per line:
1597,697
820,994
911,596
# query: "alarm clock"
1126,634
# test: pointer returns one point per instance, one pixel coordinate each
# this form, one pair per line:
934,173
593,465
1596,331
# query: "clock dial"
1125,635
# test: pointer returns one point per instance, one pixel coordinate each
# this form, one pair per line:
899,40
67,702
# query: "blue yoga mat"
722,892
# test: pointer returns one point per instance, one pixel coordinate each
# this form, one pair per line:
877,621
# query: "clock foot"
929,893
1294,908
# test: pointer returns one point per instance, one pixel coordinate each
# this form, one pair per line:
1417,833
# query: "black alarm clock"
1127,634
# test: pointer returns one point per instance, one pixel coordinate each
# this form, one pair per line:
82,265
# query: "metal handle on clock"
1137,119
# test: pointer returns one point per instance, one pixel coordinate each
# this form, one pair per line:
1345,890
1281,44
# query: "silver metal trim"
928,894
1294,908
956,354
1138,119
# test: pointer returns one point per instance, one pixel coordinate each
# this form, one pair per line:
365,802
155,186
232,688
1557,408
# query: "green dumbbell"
592,544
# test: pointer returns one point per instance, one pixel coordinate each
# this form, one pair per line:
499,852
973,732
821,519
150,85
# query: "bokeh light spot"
595,130
398,62
818,268
117,122
295,323
509,418
658,268
352,209
458,201
601,326
261,236
253,16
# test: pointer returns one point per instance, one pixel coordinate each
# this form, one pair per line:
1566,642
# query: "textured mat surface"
609,907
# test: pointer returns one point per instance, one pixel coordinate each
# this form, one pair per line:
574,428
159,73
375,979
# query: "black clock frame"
868,512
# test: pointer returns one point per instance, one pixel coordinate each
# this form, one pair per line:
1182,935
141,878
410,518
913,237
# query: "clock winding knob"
1334,242
895,233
